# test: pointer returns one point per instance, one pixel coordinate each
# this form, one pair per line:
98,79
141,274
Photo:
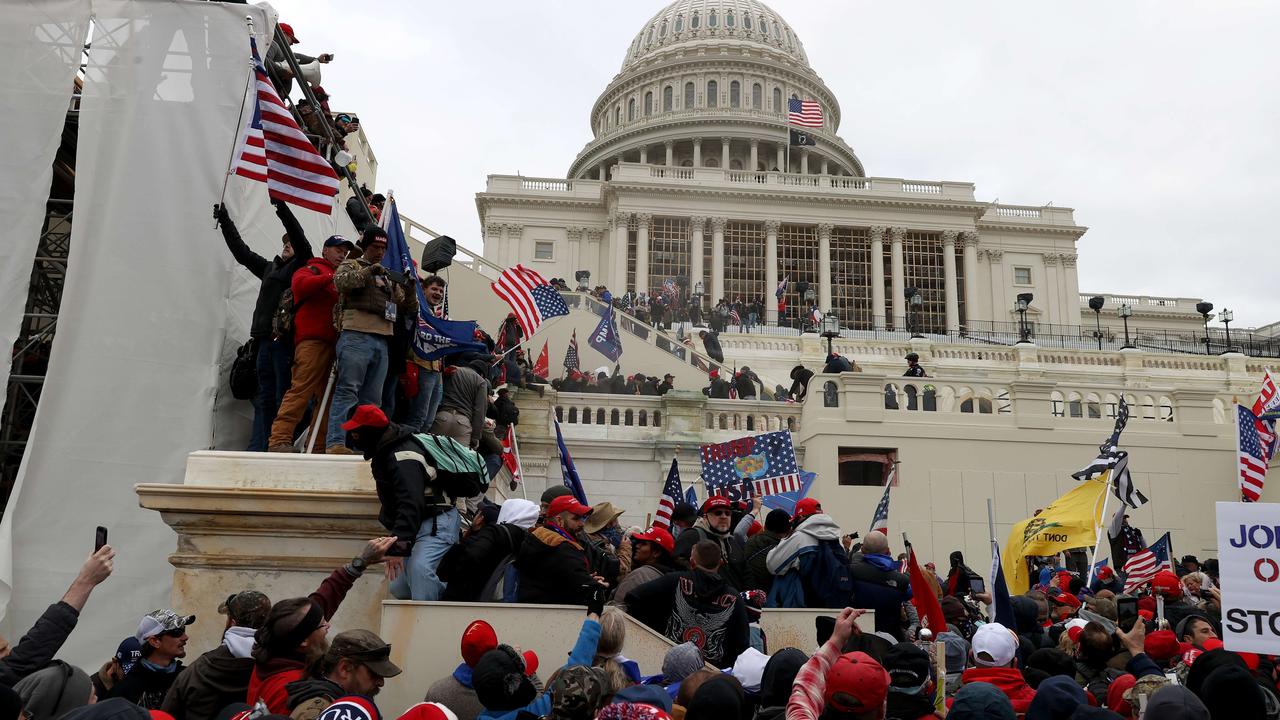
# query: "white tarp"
40,48
1249,563
151,306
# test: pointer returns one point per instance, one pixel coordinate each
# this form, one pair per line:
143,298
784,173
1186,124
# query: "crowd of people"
1074,648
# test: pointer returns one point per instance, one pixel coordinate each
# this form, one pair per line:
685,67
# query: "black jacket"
757,550
734,570
838,364
800,383
711,341
467,566
406,495
665,387
276,274
553,569
717,390
695,606
37,648
746,384
881,590
216,679
146,687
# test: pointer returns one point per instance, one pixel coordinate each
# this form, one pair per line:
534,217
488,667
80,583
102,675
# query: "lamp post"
1205,309
1095,304
1125,311
810,295
1024,302
1226,317
914,303
830,329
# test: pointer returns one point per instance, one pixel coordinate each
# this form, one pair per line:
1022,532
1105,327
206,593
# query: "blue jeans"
425,405
419,580
273,361
362,366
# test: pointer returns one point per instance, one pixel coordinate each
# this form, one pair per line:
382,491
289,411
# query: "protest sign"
1249,563
762,465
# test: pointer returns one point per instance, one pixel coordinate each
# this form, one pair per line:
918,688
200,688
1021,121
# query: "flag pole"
515,450
1093,557
991,530
236,141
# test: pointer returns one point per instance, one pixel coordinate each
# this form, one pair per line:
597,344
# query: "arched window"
696,21
711,161
631,109
757,96
764,26
649,39
617,115
713,93
746,21
662,29
735,164
728,19
777,100
711,19
648,104
666,99
688,95
679,23
735,94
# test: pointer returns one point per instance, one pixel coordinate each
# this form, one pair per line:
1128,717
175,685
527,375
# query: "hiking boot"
338,450
282,448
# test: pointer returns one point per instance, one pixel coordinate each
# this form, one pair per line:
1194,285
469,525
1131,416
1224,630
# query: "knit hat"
779,675
1184,626
1057,697
1116,701
352,707
554,492
957,649
680,662
477,639
908,666
856,683
53,691
500,682
777,521
981,701
1177,703
632,711
1161,646
717,699
428,711
1232,692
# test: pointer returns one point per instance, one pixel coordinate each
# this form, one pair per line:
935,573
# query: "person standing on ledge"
913,366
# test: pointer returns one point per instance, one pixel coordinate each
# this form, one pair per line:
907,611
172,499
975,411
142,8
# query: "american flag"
782,287
880,521
530,296
1267,404
571,352
1141,567
275,151
805,113
672,494
511,456
735,318
756,465
1253,460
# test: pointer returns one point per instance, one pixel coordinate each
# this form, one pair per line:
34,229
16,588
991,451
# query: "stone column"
591,255
1070,285
824,267
696,250
972,303
644,154
950,291
1001,304
724,153
782,158
642,252
717,258
876,235
671,152
604,170
1053,294
494,242
515,238
804,162
573,260
771,270
899,319
697,152
755,155
824,166
620,222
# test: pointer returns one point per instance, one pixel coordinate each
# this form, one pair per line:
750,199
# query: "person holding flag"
571,360
426,402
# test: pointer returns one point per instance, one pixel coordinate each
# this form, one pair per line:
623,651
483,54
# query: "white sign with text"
1249,563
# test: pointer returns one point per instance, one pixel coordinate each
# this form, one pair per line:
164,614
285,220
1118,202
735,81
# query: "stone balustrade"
628,172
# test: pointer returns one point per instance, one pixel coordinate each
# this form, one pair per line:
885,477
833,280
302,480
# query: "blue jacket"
583,652
879,586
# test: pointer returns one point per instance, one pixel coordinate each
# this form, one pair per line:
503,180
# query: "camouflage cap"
247,608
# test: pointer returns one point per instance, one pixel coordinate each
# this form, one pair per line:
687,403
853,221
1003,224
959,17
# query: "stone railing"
834,184
604,410
752,416
544,187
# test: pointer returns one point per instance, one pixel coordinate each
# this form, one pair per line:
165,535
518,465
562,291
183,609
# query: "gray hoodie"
814,529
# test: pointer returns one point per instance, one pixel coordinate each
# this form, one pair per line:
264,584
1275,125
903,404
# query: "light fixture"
1095,304
830,328
1206,311
1226,317
1022,305
1125,311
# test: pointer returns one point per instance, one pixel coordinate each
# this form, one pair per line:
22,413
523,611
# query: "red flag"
543,367
511,456
923,597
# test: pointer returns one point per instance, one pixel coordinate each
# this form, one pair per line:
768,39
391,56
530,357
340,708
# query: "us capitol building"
689,177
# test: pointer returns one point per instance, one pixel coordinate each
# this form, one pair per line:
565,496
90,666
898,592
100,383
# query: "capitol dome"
706,83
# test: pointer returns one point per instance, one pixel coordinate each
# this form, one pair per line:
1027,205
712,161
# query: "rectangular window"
668,252
798,261
867,467
544,250
743,263
851,277
922,268
1022,276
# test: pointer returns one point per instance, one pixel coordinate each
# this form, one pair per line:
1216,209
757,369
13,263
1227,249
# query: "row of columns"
669,146
622,223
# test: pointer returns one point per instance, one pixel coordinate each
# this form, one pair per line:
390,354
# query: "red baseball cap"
1066,598
1167,584
659,537
715,502
856,683
569,504
287,29
805,508
478,639
366,416
1161,645
1105,572
1211,644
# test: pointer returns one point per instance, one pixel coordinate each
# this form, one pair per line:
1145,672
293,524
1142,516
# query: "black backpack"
282,320
460,471
244,371
830,584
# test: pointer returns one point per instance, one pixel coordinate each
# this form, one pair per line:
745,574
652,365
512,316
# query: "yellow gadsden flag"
1071,521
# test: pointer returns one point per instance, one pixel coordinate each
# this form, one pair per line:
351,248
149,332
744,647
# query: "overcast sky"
1156,121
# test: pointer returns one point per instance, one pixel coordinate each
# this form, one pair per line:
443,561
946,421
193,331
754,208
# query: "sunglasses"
175,633
722,512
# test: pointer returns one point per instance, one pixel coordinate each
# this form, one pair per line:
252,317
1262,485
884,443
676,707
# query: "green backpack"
460,471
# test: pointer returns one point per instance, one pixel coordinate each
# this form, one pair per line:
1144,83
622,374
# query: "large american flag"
571,352
1267,404
757,465
275,151
1252,456
805,113
672,494
880,521
530,296
1142,566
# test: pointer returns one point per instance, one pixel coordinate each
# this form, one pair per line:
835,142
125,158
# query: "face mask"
613,535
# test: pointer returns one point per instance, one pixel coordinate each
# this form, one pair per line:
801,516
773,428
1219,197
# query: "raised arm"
297,238
252,261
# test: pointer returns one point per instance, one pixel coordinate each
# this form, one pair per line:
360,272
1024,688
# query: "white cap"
159,621
994,645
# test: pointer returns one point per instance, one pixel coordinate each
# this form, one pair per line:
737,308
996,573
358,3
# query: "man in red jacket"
994,651
314,338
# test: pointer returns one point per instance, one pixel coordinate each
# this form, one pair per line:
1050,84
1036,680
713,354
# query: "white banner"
1249,559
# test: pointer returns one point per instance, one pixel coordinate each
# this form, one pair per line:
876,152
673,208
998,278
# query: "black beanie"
500,682
777,521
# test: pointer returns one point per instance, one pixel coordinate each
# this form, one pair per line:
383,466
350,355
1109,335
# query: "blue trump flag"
1002,606
691,496
787,500
570,473
433,337
605,338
